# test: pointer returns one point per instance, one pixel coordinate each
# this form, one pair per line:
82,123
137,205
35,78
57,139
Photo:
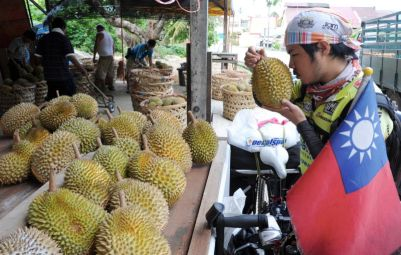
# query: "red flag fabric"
346,202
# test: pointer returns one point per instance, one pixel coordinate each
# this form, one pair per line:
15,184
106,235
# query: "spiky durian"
55,153
138,166
271,82
202,140
125,127
136,116
167,143
112,159
29,241
146,195
15,165
56,114
68,218
127,145
168,177
127,231
17,116
88,178
85,130
164,117
86,105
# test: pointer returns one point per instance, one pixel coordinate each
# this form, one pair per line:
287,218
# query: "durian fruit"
15,165
144,194
29,241
138,118
202,140
36,134
167,143
85,130
124,125
59,98
127,145
8,81
168,101
179,100
231,87
56,114
168,177
55,153
157,101
112,159
17,116
165,117
138,166
271,82
127,231
68,218
86,105
89,179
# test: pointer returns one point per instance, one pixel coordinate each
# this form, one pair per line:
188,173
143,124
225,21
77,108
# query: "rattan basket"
18,95
40,92
233,102
178,110
219,80
138,96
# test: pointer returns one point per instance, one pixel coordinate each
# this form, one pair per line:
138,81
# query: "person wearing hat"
104,46
322,56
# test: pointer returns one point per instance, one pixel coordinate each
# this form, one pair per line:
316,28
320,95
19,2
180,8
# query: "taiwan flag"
347,203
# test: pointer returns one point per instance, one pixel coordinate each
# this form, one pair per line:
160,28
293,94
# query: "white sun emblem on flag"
362,134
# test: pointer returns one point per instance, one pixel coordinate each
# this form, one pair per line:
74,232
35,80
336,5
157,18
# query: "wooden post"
198,67
209,88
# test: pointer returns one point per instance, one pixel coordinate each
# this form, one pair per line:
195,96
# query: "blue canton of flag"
358,143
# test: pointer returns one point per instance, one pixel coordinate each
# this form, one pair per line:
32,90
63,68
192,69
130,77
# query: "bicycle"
269,230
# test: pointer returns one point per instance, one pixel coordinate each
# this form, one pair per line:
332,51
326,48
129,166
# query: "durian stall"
63,182
83,179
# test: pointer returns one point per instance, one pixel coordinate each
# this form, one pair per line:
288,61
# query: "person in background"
54,51
19,52
137,54
322,56
104,46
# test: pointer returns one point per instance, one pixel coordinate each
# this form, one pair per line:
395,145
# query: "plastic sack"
254,129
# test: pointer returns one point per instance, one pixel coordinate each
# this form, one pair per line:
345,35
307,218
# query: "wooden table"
186,230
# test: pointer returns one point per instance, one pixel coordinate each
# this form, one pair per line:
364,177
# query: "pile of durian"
243,86
122,174
154,102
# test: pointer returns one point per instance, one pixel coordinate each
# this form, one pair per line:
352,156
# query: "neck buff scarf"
321,92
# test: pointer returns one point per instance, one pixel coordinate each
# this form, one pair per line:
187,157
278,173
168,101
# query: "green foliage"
38,17
212,36
82,33
161,51
276,45
175,31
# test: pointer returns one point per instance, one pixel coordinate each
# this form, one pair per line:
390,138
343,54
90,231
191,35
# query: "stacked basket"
144,84
218,81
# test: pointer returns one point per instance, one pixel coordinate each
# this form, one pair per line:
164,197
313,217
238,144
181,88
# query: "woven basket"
40,92
233,102
178,110
18,95
138,96
220,80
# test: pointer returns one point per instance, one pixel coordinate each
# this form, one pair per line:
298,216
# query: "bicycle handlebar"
246,221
